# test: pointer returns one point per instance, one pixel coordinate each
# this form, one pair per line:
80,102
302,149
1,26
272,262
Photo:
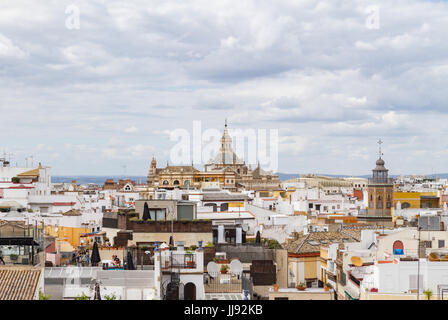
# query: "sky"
96,87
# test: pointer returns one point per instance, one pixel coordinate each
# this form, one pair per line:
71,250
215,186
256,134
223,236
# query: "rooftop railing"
381,181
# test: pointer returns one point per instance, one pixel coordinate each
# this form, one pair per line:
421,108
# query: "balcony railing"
223,283
179,261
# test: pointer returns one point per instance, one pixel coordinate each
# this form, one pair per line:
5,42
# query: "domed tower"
380,190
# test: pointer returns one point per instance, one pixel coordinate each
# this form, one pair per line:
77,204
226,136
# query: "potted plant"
190,263
82,297
110,297
43,296
301,286
428,294
327,286
224,268
275,287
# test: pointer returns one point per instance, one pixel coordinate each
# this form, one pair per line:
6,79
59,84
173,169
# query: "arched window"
176,182
379,204
165,183
398,247
187,183
405,205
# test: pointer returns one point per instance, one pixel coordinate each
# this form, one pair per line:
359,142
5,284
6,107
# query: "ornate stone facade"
224,171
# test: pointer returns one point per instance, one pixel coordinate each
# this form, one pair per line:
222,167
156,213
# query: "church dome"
380,162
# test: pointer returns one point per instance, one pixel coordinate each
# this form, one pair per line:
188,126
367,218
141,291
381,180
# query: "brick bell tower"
380,190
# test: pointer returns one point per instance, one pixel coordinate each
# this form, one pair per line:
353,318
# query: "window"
441,243
310,206
428,244
398,247
157,214
380,203
176,182
388,205
166,182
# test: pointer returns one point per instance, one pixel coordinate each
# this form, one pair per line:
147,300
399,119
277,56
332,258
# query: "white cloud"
131,129
311,69
8,49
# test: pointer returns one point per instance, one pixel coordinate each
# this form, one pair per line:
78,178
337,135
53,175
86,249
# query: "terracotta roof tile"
19,283
312,242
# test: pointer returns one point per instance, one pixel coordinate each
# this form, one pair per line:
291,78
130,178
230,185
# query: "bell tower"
380,190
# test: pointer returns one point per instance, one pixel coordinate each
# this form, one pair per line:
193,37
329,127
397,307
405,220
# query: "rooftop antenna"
124,169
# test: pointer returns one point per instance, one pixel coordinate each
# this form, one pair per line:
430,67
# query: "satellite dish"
212,269
236,267
245,227
357,261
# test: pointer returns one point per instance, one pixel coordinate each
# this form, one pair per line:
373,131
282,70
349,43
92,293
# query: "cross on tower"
379,144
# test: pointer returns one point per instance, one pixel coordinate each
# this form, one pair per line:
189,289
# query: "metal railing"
223,283
179,261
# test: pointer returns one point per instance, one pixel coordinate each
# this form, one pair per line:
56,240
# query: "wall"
190,238
303,295
281,259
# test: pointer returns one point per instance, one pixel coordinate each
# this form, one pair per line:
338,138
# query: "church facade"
224,171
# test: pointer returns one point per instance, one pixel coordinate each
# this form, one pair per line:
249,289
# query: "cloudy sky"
332,76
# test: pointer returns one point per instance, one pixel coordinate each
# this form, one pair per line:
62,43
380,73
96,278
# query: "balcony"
179,260
223,283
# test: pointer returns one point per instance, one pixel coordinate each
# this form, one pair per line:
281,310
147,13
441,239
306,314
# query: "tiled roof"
19,283
30,173
354,230
72,212
312,242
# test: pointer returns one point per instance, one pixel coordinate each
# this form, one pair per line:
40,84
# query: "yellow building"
407,199
416,200
69,234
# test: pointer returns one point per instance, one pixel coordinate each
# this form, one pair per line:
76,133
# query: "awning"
18,241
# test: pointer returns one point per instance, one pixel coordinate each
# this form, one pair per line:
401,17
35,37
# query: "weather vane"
379,144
